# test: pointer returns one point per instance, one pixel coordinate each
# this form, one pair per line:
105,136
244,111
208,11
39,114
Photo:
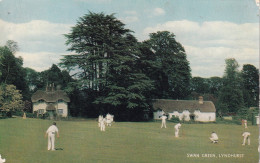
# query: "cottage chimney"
200,100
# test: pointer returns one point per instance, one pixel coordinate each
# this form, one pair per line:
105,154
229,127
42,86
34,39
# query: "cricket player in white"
51,136
214,137
109,119
100,117
177,127
246,136
163,121
245,123
2,160
103,124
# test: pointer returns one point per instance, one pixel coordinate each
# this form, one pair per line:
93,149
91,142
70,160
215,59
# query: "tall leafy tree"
53,75
231,94
250,81
215,84
199,85
10,98
11,68
99,42
33,79
105,58
170,70
12,46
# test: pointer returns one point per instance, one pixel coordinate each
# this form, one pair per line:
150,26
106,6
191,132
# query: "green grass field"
22,141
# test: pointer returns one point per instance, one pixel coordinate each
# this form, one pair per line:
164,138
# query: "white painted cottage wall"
175,113
64,106
185,115
206,117
39,105
199,116
43,105
158,114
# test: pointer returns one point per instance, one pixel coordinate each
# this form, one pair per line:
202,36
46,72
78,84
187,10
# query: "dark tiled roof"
169,106
50,96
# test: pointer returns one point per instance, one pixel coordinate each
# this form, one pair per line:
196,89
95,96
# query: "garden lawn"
22,141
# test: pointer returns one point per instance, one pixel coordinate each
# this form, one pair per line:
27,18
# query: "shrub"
9,114
35,113
45,115
175,119
18,113
29,115
235,120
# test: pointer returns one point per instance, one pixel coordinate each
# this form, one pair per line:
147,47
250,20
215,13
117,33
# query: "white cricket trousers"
103,126
163,124
176,132
213,140
51,140
248,140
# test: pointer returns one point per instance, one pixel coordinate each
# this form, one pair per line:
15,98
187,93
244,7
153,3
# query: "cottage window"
60,111
41,111
60,101
41,101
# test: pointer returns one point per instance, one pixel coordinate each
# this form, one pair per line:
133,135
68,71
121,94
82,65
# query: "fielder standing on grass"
177,128
214,137
51,136
103,124
163,121
246,136
245,123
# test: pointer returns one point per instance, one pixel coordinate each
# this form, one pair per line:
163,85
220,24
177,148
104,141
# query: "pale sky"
210,31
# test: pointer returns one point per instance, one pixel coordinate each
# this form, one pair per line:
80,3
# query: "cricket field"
23,141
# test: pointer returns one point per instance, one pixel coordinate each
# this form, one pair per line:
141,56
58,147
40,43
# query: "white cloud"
130,19
132,12
41,60
41,43
208,44
210,61
34,35
158,11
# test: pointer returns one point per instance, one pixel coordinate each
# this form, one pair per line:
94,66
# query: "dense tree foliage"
60,78
105,60
33,79
109,71
231,95
167,65
250,82
10,98
11,68
199,85
215,84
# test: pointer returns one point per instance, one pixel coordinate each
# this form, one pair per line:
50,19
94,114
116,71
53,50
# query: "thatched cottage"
198,110
51,101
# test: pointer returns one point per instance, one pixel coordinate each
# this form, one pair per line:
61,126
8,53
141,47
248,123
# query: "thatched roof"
50,96
169,106
50,107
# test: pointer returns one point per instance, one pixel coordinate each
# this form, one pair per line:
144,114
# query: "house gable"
51,100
